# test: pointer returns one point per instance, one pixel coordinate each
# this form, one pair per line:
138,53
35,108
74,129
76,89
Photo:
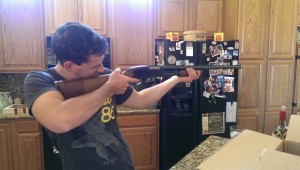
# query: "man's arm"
151,95
60,115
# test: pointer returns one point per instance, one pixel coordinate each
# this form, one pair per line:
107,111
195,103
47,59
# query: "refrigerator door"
177,124
178,119
218,90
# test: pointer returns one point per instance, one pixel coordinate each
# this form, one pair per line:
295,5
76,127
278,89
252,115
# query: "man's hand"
192,75
118,83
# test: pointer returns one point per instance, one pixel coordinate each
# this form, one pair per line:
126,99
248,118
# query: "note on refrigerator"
231,109
213,123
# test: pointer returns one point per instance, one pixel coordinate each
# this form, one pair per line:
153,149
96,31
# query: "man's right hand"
118,83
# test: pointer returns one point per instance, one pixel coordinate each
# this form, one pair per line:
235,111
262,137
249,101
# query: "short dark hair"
75,41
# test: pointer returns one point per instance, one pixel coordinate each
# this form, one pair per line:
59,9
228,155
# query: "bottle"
281,130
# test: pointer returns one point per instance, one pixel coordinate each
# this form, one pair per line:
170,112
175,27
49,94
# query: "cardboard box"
292,140
242,152
194,35
275,160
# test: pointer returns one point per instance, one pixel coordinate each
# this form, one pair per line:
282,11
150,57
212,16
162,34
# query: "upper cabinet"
131,32
282,37
91,12
22,46
209,16
185,15
173,15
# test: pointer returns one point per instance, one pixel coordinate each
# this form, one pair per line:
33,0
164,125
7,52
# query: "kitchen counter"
207,148
121,110
124,110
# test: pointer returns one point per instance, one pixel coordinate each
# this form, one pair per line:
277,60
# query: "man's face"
89,68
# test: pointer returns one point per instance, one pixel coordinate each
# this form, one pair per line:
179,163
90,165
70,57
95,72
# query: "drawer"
138,120
28,126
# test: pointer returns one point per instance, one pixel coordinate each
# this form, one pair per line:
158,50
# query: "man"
84,128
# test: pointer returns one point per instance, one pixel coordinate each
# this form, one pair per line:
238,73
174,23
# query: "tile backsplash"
13,83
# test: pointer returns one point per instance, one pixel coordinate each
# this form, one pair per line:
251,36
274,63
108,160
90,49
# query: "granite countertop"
121,110
207,148
125,110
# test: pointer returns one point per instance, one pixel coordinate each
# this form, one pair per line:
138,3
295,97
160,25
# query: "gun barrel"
203,67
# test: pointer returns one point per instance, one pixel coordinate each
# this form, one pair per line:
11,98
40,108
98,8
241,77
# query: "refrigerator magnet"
235,53
182,62
189,49
237,45
178,45
206,94
217,50
228,87
235,62
203,48
171,60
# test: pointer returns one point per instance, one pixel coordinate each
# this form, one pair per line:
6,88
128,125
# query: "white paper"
231,109
206,94
189,51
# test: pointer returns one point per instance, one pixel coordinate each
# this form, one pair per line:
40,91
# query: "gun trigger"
139,83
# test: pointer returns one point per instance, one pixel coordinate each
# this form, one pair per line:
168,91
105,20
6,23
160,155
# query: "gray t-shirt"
96,144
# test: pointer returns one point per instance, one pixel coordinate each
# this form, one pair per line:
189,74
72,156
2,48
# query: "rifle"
77,87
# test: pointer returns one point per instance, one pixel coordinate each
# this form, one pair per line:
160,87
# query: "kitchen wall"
13,82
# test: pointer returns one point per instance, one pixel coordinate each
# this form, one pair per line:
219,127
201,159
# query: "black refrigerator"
191,112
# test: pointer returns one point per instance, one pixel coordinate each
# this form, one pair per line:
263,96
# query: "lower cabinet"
20,145
141,134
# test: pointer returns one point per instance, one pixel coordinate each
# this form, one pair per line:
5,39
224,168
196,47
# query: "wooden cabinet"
185,15
296,108
209,16
252,81
267,50
174,15
21,145
22,46
91,12
6,158
141,135
131,32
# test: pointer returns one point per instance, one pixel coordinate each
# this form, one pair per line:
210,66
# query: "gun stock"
77,87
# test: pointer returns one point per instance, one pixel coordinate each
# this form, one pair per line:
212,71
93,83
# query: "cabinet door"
283,36
132,32
22,46
93,13
209,16
142,142
6,162
58,12
296,108
174,16
141,134
27,146
251,94
248,21
279,83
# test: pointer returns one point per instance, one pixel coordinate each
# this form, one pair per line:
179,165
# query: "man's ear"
68,65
